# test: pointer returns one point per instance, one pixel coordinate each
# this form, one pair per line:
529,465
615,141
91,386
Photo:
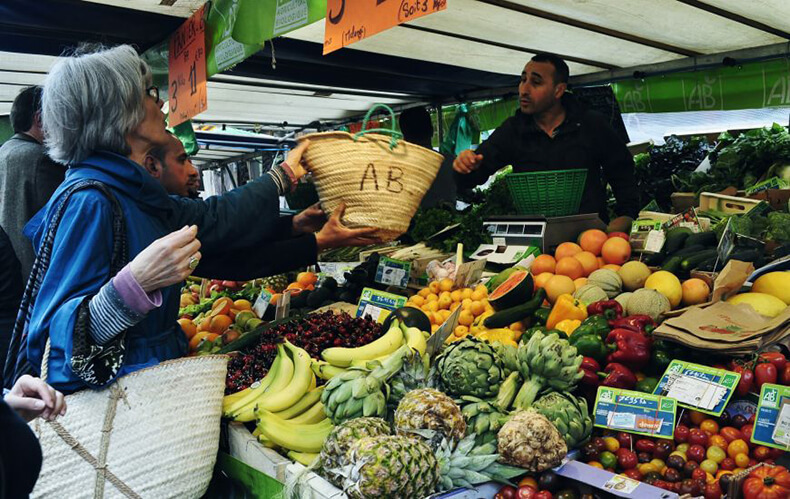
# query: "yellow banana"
416,340
313,381
234,403
305,458
310,398
314,414
282,376
293,436
325,370
385,345
290,394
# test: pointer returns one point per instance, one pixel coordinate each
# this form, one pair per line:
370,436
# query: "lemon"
775,284
764,304
667,284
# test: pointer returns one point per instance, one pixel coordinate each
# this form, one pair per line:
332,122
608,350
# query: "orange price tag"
349,21
187,70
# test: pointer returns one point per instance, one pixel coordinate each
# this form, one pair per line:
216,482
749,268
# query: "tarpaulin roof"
471,47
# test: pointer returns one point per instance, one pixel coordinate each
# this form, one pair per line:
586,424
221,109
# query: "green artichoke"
569,415
470,367
483,419
547,362
508,356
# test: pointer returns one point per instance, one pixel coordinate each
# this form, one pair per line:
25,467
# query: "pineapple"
398,466
277,282
413,375
430,409
334,451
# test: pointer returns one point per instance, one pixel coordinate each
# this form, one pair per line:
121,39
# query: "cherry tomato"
710,426
738,421
698,437
699,474
746,382
508,492
716,454
689,468
718,441
742,460
663,449
528,481
612,444
607,459
728,464
543,494
698,417
730,433
710,466
595,464
764,372
627,459
526,493
775,358
644,457
746,431
634,474
681,433
777,453
696,453
785,375
712,491
659,464
672,475
645,445
599,443
737,447
625,440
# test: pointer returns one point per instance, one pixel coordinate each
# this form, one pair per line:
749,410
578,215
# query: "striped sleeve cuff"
110,315
282,176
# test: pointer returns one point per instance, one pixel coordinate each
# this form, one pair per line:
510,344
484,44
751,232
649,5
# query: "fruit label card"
283,305
391,272
687,218
336,270
262,303
634,412
378,304
702,388
647,235
621,484
772,424
469,273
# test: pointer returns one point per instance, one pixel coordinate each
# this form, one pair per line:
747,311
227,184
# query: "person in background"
10,292
551,131
20,453
415,124
295,244
28,177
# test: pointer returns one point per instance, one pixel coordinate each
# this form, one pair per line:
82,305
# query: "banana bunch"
568,414
483,419
289,379
362,391
294,434
376,351
547,362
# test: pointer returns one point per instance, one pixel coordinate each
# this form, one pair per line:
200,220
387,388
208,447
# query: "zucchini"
676,238
690,262
672,264
506,317
745,255
708,265
689,251
707,239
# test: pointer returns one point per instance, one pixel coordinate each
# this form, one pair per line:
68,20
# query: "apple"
621,235
230,284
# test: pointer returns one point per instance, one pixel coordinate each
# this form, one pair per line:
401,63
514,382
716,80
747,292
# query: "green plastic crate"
553,193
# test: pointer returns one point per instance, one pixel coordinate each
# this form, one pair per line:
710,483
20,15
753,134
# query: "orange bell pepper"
566,307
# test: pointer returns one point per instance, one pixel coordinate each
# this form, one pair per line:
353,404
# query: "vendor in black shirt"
551,131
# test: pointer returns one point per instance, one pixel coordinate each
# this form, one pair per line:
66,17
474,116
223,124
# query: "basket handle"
392,132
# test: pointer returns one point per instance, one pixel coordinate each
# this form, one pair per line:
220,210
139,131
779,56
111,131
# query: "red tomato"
728,464
699,473
785,375
696,453
776,453
625,440
767,483
526,493
681,433
765,372
633,474
746,383
712,490
698,437
543,494
730,433
528,482
508,492
645,445
627,459
746,432
775,358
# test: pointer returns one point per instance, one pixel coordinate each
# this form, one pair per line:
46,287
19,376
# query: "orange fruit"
592,240
543,263
581,281
601,263
194,342
296,285
233,313
434,287
559,285
465,318
457,295
445,301
566,249
616,251
443,315
446,285
306,278
479,294
221,307
431,297
220,323
417,300
540,280
275,298
466,293
695,291
611,266
571,267
588,260
466,304
477,308
424,292
189,327
242,305
433,306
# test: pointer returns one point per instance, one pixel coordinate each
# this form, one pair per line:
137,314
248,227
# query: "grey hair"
92,100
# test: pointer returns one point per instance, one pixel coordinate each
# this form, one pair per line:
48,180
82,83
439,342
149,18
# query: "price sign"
697,387
378,304
469,273
437,339
772,424
391,272
262,303
686,218
635,412
350,21
187,69
283,306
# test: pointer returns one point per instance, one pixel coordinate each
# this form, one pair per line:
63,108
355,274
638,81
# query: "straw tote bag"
380,177
151,433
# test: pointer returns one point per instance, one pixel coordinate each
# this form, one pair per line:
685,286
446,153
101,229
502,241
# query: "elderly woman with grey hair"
112,246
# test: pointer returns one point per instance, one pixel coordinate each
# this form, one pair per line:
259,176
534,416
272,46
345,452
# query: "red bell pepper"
611,309
764,372
639,323
633,348
590,368
774,358
618,376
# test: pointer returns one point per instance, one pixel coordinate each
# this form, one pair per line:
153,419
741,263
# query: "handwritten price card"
705,389
187,69
634,412
349,21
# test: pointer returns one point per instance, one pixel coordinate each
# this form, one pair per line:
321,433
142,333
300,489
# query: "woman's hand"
31,397
294,159
334,234
166,261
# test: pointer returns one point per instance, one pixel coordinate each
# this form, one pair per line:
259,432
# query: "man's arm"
618,167
497,151
262,260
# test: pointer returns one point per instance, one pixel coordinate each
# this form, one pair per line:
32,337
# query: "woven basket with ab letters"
379,177
152,433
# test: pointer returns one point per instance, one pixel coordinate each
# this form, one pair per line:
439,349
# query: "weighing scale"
535,230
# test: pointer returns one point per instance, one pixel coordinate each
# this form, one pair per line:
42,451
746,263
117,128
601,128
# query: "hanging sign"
350,21
187,68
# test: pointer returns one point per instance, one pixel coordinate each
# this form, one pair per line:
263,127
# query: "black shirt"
584,140
20,455
10,293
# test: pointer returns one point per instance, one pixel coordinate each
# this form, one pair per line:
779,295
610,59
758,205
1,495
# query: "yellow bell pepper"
502,335
568,326
566,307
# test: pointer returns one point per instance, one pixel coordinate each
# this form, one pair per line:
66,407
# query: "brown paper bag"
727,283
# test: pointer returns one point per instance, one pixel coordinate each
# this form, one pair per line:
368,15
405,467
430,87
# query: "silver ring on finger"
193,262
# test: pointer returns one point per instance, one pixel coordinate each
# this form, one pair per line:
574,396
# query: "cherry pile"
314,333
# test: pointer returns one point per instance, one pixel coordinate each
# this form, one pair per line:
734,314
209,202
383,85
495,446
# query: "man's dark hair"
159,152
415,124
25,107
561,71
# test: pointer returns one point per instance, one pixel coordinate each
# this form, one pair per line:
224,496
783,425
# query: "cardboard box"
682,201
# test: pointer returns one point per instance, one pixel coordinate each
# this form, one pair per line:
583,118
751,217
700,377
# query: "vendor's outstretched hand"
32,397
309,220
294,159
334,234
467,162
